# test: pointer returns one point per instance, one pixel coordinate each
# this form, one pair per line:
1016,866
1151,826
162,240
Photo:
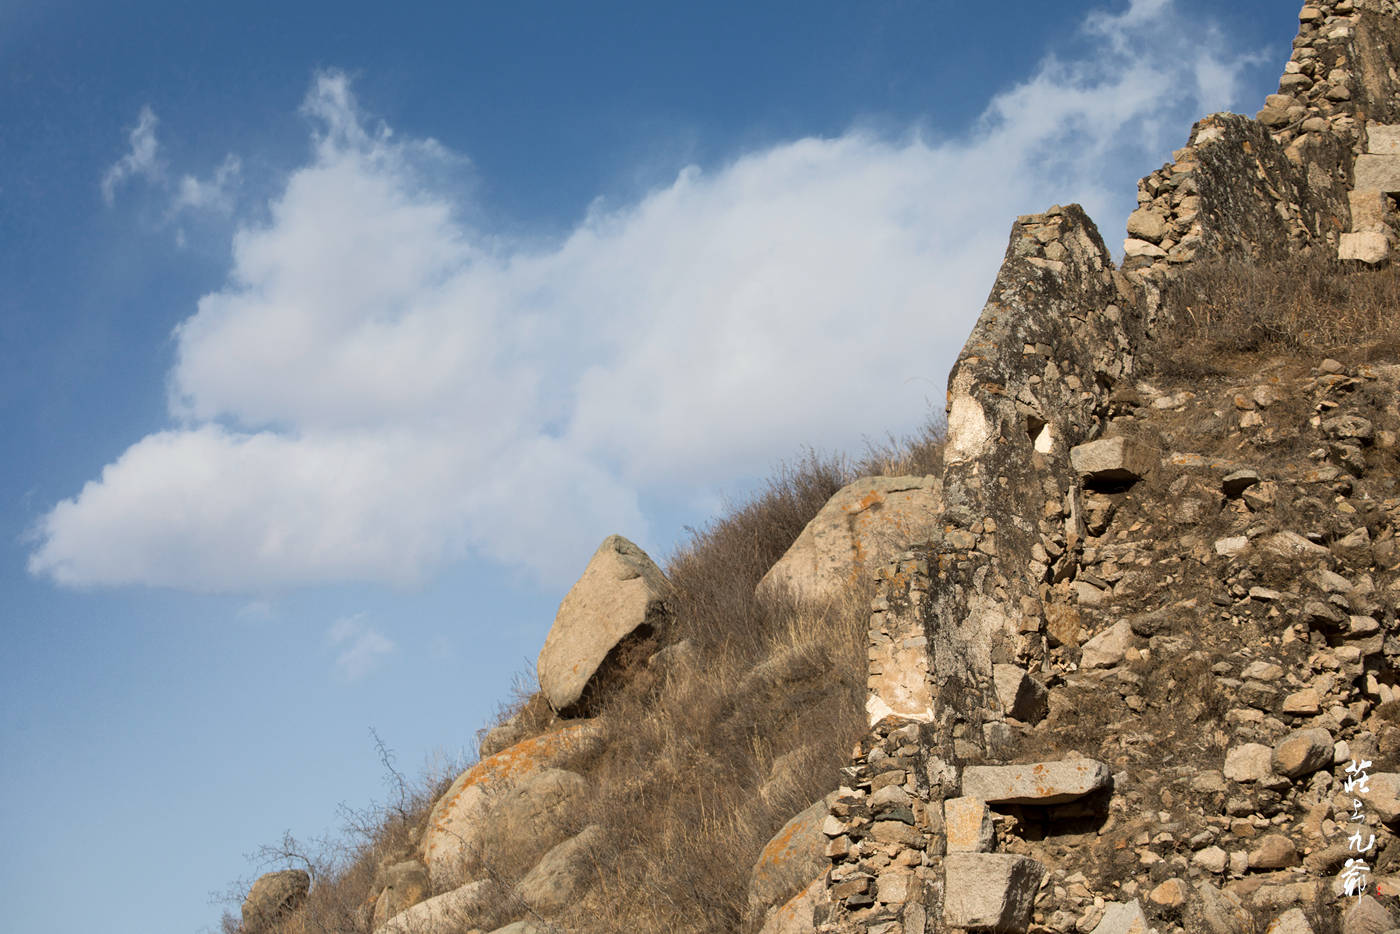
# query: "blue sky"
336,336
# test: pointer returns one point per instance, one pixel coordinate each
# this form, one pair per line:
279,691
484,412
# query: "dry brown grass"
704,760
1309,305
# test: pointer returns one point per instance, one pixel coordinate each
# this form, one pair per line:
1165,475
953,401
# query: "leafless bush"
1309,304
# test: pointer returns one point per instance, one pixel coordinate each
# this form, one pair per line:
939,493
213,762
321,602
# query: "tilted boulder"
797,916
516,785
458,910
859,529
274,896
563,874
790,859
621,592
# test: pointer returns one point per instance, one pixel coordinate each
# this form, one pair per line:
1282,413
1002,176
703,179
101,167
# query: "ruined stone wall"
1041,374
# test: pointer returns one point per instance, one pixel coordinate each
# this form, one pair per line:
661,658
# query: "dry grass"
706,756
1310,305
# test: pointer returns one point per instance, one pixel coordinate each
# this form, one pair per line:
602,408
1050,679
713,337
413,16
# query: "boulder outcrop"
517,788
622,593
860,529
274,896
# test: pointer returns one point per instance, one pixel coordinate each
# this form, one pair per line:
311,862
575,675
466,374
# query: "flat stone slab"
1042,783
1378,171
990,891
1371,247
1113,460
1383,139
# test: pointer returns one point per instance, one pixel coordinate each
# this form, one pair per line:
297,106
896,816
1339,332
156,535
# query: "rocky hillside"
1120,656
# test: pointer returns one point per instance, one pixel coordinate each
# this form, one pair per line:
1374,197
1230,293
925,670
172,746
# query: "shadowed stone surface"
274,896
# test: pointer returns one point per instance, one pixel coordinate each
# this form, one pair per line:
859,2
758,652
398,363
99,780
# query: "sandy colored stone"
621,591
1021,696
1366,916
1274,851
789,860
1302,753
967,825
1148,223
796,915
1292,921
990,891
863,526
1371,247
1170,894
1383,798
562,875
1039,783
448,913
1381,172
1249,762
1108,647
1122,918
1368,209
1113,460
451,844
406,884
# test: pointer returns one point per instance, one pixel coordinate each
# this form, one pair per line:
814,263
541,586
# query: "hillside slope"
1107,670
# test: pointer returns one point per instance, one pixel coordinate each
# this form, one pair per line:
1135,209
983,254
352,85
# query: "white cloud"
380,388
212,194
142,158
361,648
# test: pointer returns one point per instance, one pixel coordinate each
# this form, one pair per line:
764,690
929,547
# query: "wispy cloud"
380,388
212,194
142,159
360,648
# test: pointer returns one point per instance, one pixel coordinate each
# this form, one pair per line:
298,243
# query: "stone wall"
1041,374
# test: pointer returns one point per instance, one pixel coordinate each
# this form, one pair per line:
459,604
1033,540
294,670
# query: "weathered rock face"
797,915
790,860
859,529
461,909
514,788
405,885
621,592
563,874
991,891
274,896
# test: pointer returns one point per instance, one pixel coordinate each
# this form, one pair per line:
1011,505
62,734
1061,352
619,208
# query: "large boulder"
859,529
797,916
790,859
621,592
518,787
461,909
563,874
274,896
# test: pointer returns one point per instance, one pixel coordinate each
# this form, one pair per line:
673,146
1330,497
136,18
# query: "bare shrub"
1309,304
